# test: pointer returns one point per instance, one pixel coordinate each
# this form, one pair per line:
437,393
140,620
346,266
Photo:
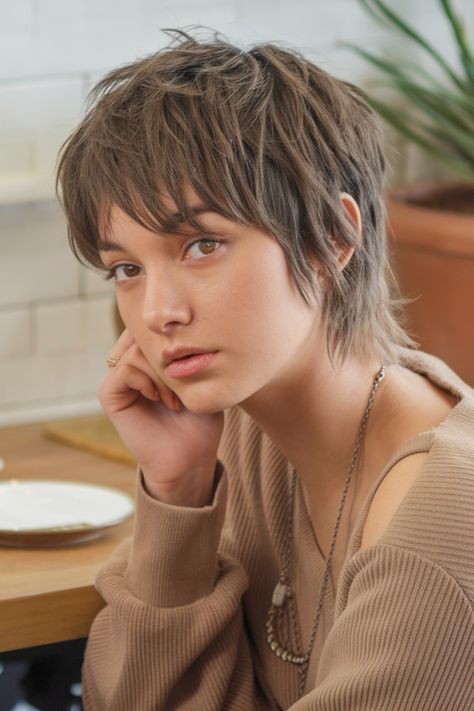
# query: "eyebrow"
109,245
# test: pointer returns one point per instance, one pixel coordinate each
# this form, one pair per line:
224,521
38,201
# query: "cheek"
123,304
264,310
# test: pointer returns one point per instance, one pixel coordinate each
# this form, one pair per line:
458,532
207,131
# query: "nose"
165,306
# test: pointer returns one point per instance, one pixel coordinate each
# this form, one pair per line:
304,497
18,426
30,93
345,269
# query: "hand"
176,449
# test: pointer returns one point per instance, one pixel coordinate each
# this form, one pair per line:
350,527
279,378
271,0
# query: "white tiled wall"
55,317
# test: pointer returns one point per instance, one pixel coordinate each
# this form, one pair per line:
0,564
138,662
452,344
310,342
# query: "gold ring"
111,362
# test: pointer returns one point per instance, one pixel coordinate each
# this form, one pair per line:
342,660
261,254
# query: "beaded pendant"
280,595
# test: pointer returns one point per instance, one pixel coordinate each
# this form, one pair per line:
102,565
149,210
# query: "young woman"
304,521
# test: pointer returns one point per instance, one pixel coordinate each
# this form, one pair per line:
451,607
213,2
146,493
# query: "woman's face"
227,290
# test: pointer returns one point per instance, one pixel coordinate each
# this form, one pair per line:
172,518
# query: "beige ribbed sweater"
187,597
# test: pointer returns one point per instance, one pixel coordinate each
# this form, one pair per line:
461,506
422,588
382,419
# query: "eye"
202,248
123,272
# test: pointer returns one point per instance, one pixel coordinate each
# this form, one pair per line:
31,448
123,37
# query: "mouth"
190,364
186,357
180,354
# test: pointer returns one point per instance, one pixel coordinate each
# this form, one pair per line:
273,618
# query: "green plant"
441,119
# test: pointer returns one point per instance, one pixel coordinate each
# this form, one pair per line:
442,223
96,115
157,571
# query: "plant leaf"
465,53
396,21
441,110
395,71
439,116
462,166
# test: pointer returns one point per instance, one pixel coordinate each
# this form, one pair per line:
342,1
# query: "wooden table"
47,594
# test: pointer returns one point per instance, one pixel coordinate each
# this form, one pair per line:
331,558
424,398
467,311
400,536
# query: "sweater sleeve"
404,639
171,635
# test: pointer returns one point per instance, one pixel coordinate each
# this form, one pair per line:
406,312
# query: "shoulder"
425,503
430,493
389,496
446,482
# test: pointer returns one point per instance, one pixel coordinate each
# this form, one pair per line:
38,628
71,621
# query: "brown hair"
264,137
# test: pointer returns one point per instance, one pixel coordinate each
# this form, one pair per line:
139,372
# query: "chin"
208,401
205,406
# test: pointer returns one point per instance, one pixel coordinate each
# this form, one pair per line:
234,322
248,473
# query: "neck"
313,415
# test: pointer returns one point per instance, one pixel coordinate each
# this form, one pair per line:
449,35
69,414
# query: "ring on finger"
111,362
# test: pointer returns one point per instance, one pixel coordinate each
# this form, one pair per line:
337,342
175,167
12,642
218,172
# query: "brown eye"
123,272
207,247
130,270
201,248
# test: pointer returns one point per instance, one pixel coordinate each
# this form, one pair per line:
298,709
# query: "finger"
135,358
126,351
120,347
120,384
168,396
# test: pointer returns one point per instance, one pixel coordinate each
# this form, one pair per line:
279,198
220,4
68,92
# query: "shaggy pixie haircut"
265,138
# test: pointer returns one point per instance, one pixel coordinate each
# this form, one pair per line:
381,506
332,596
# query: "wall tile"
23,186
35,257
15,333
43,379
51,36
16,37
36,117
16,17
74,326
221,16
16,155
99,325
307,24
59,328
88,35
93,283
40,103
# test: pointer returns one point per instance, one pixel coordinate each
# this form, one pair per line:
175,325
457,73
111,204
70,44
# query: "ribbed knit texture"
187,596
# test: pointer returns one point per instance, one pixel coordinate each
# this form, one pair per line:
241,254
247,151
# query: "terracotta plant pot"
433,257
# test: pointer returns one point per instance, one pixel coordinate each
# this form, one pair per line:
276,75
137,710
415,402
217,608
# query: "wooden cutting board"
95,434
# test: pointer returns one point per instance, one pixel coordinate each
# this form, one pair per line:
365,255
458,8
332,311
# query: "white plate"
39,512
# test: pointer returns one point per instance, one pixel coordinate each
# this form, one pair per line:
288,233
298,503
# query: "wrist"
194,491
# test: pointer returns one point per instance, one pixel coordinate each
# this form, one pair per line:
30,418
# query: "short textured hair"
265,138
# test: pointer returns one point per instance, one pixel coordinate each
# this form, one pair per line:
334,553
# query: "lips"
171,355
194,364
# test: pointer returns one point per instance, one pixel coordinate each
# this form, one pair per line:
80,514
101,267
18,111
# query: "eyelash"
111,272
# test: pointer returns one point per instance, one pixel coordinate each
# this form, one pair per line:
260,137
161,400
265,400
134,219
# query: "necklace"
283,592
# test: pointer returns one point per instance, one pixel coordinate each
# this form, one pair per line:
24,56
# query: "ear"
352,211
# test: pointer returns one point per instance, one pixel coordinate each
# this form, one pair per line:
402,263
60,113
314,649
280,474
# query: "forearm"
174,555
158,659
171,635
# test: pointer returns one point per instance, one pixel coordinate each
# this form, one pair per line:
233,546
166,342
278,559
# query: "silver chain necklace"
283,592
